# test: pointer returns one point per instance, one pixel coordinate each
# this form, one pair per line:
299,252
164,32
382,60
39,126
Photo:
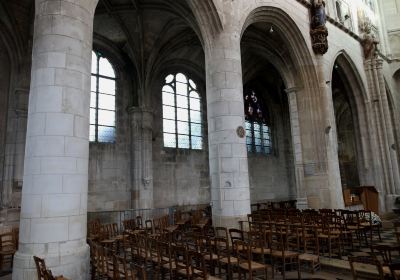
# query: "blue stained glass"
257,141
249,148
197,143
248,141
258,149
106,134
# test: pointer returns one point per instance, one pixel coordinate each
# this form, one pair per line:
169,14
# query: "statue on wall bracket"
318,32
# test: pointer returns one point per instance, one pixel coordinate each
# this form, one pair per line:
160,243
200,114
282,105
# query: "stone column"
301,196
230,193
389,169
54,194
142,154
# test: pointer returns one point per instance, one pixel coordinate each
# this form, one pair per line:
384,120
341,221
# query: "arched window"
102,100
182,125
258,132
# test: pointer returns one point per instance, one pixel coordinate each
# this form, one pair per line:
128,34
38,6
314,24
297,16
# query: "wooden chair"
280,251
246,264
226,257
395,270
359,263
198,267
44,273
8,247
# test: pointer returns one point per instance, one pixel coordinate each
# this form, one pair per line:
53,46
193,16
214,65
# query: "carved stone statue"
318,32
369,44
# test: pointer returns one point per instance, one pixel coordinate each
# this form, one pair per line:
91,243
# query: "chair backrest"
198,266
395,270
42,272
221,232
369,260
236,234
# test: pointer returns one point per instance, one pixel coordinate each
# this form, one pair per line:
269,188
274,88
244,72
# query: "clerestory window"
182,123
102,100
258,131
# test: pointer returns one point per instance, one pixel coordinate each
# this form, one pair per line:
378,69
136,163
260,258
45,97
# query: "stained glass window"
182,124
102,100
258,131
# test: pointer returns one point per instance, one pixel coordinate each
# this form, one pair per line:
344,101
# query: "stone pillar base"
73,265
228,222
302,203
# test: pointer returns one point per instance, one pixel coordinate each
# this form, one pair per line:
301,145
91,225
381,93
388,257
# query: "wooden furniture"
360,263
8,247
368,196
246,264
44,273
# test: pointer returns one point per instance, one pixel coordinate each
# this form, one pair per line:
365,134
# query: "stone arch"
208,19
358,98
300,53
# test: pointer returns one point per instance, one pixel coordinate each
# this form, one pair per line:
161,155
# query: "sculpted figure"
319,17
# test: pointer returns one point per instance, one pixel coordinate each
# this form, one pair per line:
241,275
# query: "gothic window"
258,131
102,100
182,124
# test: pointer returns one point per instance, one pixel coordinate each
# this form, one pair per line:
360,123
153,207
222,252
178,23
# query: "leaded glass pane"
257,134
195,129
106,134
169,79
93,83
249,140
92,116
197,143
195,104
183,128
195,116
107,86
169,126
107,101
169,140
181,101
192,84
182,114
248,125
267,150
106,118
168,89
194,94
168,99
105,68
93,98
168,112
257,141
183,141
181,89
94,63
256,127
92,133
181,78
249,148
258,149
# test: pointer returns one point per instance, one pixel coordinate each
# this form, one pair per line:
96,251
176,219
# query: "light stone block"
47,146
58,165
59,124
45,230
77,227
53,97
46,184
76,147
31,206
74,183
60,205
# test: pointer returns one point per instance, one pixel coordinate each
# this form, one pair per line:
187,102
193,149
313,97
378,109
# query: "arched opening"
147,41
347,151
349,109
268,129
